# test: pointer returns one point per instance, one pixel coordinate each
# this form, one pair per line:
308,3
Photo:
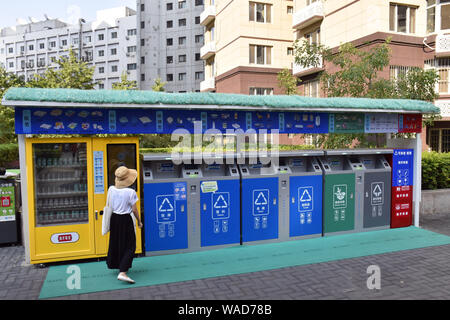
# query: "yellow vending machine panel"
66,195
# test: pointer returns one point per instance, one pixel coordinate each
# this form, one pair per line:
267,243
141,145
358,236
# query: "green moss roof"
150,98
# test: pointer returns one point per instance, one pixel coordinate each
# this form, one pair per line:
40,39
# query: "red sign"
6,201
69,237
401,213
410,123
65,238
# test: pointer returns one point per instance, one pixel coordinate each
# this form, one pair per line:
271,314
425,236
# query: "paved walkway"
412,274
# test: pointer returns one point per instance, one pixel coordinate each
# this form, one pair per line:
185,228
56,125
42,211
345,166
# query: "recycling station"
192,201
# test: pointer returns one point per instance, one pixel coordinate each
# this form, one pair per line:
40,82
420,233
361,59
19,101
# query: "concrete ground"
411,274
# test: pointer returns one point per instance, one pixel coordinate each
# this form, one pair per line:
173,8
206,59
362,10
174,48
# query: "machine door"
305,214
377,199
220,208
108,155
61,215
339,203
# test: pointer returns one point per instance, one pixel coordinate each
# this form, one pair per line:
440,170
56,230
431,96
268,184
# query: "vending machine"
68,182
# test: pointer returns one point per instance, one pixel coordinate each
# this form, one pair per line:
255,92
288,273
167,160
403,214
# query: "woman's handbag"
107,212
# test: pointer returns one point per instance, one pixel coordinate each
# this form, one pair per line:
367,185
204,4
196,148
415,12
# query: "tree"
7,80
71,73
159,85
125,84
287,82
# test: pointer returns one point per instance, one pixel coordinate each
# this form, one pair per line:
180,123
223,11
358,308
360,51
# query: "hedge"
8,153
435,170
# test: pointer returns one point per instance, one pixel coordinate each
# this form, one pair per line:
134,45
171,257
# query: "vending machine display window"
60,183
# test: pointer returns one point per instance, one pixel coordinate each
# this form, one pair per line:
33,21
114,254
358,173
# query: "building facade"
169,40
246,44
108,43
420,37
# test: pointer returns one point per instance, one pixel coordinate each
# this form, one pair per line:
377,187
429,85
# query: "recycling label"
165,208
221,205
377,193
261,202
305,199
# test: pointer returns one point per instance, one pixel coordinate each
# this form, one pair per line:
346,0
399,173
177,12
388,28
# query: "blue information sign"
403,167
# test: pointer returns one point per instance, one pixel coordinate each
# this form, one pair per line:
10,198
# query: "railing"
208,50
308,15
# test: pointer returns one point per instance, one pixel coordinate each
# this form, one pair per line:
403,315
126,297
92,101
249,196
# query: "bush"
8,154
435,170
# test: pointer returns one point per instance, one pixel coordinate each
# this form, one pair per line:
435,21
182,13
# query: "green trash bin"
338,193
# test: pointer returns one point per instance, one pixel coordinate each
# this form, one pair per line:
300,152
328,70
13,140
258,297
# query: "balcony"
208,50
208,85
300,71
308,15
208,15
443,45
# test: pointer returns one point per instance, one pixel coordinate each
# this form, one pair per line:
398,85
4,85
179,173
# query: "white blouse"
121,201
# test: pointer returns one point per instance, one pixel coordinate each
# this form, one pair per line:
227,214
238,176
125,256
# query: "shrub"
8,153
435,170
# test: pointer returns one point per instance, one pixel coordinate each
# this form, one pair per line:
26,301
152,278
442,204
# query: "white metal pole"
417,178
24,195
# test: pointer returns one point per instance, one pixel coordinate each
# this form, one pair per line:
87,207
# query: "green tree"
125,84
159,85
287,82
7,80
71,73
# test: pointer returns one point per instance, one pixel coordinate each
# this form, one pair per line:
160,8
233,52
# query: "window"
313,37
260,54
182,58
181,41
261,91
182,22
31,47
169,59
10,50
114,35
11,64
64,42
142,7
101,53
113,51
199,75
142,60
312,88
169,24
88,39
169,42
290,51
402,18
182,76
42,46
142,42
198,2
290,10
142,24
260,12
309,2
399,71
445,16
440,140
101,86
101,70
169,6
199,38
131,32
181,4
101,37
142,76
197,20
53,44
131,66
197,57
114,68
131,49
169,77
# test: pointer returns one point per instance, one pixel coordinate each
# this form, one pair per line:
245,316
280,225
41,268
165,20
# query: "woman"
122,238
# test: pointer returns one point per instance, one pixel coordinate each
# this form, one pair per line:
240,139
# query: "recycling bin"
259,203
338,193
300,193
166,214
8,219
220,218
376,213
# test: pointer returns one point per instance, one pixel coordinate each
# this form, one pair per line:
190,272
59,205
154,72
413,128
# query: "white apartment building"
170,38
109,43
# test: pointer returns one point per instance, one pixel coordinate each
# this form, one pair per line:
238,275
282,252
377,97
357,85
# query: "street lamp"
81,21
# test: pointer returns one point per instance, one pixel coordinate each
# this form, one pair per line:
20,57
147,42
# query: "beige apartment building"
246,44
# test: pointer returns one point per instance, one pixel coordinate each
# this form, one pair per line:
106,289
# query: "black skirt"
122,242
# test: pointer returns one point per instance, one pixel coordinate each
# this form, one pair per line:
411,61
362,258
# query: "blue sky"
63,9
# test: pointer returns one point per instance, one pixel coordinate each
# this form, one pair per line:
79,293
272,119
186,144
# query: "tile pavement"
411,274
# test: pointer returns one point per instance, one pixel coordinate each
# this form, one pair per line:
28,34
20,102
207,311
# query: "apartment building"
108,43
170,37
246,44
420,32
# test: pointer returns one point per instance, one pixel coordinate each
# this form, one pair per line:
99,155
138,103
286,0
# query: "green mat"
148,271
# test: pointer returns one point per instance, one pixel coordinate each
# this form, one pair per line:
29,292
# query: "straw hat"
125,177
